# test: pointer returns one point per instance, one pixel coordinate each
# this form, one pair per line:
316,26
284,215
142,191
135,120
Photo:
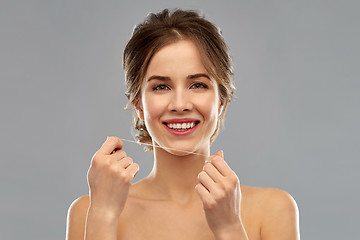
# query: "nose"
180,101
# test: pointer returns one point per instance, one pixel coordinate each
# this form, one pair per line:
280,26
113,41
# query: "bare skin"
185,196
162,208
144,218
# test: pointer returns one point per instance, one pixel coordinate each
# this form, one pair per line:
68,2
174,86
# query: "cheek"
209,107
153,107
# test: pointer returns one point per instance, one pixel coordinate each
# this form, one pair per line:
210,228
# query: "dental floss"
148,144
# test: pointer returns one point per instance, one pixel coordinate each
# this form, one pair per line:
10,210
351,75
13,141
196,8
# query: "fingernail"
204,166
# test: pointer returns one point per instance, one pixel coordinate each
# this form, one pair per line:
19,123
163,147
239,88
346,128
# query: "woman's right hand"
109,177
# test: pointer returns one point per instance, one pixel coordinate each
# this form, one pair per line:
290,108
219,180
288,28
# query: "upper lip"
180,120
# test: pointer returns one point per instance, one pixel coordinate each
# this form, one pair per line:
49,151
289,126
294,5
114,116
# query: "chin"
179,153
184,147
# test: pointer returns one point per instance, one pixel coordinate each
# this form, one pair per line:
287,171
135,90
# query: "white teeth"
181,126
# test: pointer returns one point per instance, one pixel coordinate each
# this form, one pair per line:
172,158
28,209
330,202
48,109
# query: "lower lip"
182,133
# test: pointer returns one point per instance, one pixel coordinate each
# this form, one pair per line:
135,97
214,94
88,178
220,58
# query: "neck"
174,177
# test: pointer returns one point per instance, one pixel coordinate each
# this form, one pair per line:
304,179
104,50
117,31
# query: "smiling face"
180,103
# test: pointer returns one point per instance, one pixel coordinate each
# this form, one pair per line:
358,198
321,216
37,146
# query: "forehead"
181,57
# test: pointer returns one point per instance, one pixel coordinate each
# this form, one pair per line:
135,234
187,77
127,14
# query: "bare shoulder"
269,198
277,210
279,200
79,207
76,218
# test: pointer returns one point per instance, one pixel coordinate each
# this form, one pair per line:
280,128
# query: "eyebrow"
165,78
162,78
198,75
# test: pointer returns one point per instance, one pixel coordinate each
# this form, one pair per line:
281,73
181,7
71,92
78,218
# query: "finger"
221,165
206,181
220,153
112,143
118,155
203,194
125,162
133,169
213,173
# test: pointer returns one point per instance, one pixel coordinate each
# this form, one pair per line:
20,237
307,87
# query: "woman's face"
179,102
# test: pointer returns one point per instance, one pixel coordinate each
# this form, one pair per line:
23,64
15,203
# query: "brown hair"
161,29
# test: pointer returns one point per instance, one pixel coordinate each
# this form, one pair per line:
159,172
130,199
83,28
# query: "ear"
138,108
221,108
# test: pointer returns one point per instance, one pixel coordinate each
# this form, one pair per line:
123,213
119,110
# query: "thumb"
220,153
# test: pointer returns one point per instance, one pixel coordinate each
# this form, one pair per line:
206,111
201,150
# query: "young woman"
179,81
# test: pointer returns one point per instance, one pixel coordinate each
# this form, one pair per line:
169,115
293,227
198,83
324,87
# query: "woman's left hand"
219,190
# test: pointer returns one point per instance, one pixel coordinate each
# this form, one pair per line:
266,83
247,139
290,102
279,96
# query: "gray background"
293,125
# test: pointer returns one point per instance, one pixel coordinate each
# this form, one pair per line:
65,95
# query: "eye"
199,85
160,87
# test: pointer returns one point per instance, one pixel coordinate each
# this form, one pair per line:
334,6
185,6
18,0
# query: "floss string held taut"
148,144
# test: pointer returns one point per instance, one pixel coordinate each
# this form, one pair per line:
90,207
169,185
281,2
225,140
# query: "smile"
181,126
